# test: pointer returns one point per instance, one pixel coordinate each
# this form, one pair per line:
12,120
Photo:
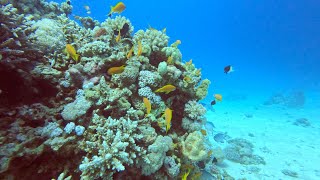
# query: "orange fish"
189,62
170,60
218,97
130,53
203,132
118,8
118,37
147,104
198,72
139,48
71,51
116,70
166,89
168,117
187,79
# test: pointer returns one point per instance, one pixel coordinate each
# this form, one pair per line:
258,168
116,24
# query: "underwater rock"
241,151
294,99
303,122
288,172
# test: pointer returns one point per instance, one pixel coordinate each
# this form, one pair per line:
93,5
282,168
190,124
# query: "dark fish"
221,137
213,102
207,106
69,2
123,31
228,69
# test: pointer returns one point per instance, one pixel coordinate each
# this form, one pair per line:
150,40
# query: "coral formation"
79,113
241,151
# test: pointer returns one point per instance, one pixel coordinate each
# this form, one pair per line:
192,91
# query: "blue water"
272,45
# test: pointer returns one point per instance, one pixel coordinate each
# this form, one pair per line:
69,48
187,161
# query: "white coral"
48,35
111,147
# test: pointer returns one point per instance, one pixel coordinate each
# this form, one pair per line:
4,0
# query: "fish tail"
110,13
77,56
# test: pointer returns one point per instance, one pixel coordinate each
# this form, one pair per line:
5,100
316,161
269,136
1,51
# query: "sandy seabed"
288,149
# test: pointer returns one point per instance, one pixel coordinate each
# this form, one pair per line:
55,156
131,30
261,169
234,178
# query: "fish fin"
77,56
110,13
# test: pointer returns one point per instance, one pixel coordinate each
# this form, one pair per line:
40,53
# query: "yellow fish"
139,48
185,175
116,70
170,60
164,30
203,132
168,117
198,72
167,88
118,8
189,62
118,37
147,104
175,44
129,54
218,97
71,51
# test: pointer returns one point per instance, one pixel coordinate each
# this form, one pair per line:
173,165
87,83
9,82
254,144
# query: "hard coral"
193,147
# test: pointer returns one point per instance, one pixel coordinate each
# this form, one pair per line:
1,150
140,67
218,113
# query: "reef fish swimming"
118,8
166,89
147,104
71,51
228,69
116,70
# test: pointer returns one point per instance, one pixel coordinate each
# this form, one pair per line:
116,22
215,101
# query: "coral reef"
72,111
241,151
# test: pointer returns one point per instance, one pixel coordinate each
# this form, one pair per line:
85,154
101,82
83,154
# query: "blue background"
272,45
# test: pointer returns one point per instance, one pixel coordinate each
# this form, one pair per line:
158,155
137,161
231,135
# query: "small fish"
139,48
189,62
71,52
198,72
88,9
164,30
147,104
203,132
166,89
118,8
118,37
221,137
187,79
228,69
213,102
129,54
68,2
168,117
175,44
218,97
116,70
170,60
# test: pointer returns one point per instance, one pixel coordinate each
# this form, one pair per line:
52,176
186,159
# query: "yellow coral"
193,147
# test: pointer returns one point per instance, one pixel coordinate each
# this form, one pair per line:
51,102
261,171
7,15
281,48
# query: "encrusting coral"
90,115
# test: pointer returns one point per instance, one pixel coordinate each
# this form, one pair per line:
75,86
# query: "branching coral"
113,146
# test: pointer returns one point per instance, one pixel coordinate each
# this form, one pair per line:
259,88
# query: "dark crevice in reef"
18,87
